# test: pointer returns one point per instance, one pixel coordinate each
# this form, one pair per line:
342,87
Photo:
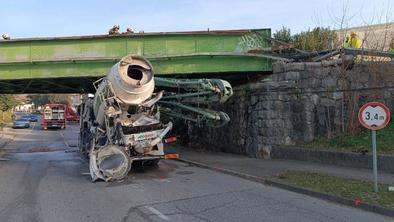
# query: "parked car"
21,123
31,117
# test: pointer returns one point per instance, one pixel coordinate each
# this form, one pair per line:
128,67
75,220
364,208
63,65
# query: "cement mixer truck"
122,123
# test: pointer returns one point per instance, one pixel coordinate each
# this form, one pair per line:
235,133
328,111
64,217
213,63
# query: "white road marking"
34,124
157,213
64,140
32,128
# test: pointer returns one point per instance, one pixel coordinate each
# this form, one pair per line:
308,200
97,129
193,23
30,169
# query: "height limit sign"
374,116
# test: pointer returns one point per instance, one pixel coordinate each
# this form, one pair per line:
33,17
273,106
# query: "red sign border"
384,107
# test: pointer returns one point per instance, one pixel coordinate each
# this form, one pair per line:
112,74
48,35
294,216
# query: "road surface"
44,180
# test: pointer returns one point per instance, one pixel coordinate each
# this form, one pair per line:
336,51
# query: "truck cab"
71,114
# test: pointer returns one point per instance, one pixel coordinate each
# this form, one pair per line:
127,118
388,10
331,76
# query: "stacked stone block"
296,104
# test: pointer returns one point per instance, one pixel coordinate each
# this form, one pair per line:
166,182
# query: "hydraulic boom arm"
189,99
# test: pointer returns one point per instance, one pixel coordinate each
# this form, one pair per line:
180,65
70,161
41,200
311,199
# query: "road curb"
226,171
331,198
324,196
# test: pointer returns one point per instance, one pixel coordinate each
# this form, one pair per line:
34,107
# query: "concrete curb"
332,198
226,171
324,196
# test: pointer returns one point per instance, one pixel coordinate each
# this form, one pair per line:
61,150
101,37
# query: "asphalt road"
44,181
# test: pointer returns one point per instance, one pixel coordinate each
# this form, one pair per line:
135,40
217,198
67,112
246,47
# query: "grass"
339,186
360,142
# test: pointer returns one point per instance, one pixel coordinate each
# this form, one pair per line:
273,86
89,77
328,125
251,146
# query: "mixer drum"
131,81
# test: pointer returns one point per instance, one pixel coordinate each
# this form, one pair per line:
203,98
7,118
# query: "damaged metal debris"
286,52
122,122
109,163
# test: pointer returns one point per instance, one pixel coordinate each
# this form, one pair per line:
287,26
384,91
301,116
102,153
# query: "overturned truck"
131,113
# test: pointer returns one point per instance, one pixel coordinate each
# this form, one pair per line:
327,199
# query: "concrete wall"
295,104
373,36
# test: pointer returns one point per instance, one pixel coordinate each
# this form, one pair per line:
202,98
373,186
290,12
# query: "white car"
21,123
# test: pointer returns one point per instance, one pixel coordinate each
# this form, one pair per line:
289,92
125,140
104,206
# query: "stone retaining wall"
295,104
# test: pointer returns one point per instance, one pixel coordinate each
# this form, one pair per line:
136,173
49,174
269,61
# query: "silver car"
21,123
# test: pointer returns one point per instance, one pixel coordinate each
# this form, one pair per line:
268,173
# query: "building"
25,107
377,36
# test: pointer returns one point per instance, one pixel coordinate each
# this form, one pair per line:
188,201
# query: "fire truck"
54,116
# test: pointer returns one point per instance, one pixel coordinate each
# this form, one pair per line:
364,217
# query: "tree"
283,35
60,98
317,39
7,102
42,99
39,99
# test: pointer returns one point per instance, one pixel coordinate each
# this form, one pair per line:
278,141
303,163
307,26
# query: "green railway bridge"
72,64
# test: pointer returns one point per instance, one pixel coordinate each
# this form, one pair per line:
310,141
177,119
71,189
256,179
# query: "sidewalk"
270,168
5,137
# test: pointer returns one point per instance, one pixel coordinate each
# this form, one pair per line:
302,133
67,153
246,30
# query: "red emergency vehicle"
54,116
71,114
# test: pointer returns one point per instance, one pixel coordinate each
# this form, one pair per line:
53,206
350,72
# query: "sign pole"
374,116
375,162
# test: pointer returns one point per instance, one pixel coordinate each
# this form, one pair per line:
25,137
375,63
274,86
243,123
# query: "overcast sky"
38,18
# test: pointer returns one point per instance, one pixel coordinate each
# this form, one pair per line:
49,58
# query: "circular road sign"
374,115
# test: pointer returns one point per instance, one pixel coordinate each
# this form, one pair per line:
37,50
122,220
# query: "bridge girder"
71,64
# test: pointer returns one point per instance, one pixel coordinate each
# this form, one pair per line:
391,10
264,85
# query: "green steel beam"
170,53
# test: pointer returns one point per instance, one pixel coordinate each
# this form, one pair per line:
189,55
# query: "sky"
49,18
